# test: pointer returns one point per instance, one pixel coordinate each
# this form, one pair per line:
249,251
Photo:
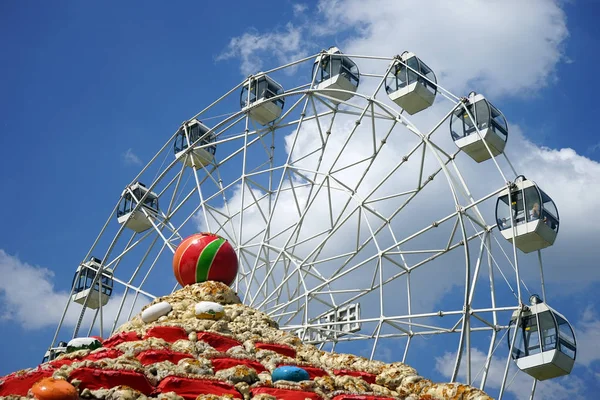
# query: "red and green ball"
205,257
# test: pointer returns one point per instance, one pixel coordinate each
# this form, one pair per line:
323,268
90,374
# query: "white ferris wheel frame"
168,234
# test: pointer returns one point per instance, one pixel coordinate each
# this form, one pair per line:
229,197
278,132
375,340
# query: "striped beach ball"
205,257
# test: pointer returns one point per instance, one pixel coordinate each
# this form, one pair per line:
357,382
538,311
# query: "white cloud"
31,301
501,47
29,296
286,45
299,8
130,158
587,333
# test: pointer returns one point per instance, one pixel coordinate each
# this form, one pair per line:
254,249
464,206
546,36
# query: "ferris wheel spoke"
323,137
130,281
277,197
513,266
285,119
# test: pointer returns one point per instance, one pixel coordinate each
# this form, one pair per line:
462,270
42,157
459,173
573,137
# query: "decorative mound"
185,354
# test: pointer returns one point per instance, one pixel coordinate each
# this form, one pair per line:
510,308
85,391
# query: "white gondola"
54,352
545,345
333,70
133,219
85,282
534,213
411,84
256,95
204,150
490,122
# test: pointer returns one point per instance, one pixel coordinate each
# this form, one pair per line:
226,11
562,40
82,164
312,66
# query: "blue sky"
88,94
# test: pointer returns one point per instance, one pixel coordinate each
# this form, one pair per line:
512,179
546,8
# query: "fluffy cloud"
473,46
286,45
28,290
500,47
587,333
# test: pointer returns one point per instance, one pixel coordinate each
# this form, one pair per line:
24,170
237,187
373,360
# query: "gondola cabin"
257,98
54,352
195,133
137,219
545,345
411,84
85,283
478,114
534,214
333,70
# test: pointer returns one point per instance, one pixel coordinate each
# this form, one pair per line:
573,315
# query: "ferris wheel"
350,202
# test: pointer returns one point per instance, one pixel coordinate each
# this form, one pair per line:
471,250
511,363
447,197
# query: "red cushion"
313,372
220,363
191,388
278,348
219,342
360,397
104,353
369,378
154,356
285,394
20,384
119,338
168,333
94,379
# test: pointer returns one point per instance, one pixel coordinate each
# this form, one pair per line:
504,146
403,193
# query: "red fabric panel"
189,388
285,394
278,348
153,356
360,397
313,372
220,363
369,378
97,378
65,361
21,384
105,353
219,342
119,338
169,333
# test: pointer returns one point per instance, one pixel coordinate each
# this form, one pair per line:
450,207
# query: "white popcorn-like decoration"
209,310
155,311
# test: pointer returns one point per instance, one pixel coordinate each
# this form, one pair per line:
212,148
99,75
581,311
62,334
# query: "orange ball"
54,389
